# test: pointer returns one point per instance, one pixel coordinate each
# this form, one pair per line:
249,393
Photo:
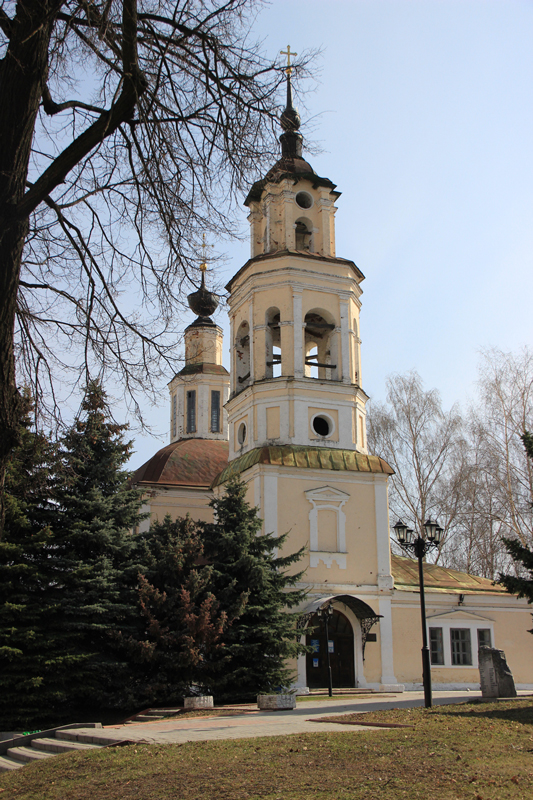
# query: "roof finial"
203,265
203,302
288,53
291,140
290,118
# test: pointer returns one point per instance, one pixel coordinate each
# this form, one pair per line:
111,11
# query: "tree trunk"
23,72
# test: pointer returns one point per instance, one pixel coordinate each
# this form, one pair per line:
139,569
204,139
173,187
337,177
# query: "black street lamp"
420,545
325,614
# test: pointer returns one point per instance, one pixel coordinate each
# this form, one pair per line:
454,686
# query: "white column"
345,342
297,333
358,655
385,629
301,680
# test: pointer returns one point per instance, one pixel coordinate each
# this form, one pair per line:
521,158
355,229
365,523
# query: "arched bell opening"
242,356
320,346
303,229
273,343
311,360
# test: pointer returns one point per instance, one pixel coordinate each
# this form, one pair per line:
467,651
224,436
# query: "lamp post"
325,614
420,545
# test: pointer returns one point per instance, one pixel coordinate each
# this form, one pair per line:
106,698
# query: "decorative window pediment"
327,495
327,526
455,615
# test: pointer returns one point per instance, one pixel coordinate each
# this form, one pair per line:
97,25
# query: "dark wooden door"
341,653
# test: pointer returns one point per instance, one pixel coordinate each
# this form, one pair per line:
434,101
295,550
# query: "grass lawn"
474,751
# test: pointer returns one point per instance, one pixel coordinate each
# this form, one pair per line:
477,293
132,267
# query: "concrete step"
85,738
165,711
27,754
160,713
59,746
7,764
146,718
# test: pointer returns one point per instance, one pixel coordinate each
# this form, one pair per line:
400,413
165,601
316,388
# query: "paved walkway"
274,723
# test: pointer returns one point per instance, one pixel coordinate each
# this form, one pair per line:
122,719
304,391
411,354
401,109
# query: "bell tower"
294,314
199,391
296,413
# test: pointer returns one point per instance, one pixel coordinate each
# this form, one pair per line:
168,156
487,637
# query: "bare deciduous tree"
472,474
421,442
126,128
502,415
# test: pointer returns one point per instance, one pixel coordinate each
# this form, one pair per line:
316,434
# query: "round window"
304,200
241,433
322,425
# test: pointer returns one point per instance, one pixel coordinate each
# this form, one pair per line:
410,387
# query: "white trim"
328,558
297,295
345,342
270,505
326,497
319,436
385,580
385,630
447,625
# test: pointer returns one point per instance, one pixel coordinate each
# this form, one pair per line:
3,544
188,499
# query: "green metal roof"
437,578
304,458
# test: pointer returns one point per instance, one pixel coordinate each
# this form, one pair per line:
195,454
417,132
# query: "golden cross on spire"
288,53
203,265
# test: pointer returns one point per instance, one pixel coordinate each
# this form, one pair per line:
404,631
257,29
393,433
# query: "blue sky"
423,111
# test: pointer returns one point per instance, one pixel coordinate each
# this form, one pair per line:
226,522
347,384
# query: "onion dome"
203,302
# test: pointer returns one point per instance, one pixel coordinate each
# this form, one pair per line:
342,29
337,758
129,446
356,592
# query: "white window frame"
447,625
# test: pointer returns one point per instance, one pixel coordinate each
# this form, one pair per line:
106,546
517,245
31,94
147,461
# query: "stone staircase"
22,750
153,714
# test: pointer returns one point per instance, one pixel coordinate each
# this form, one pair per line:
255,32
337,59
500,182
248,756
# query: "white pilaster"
385,628
345,341
298,333
270,509
385,580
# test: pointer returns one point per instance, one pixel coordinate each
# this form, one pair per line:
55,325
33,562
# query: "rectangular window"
215,412
174,415
483,637
191,411
461,647
436,647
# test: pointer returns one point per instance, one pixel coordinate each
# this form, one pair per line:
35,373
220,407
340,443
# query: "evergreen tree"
180,624
34,658
94,550
245,570
519,584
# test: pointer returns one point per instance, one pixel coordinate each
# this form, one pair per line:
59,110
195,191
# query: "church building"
289,419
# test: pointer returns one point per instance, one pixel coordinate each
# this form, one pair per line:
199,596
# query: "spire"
291,140
203,302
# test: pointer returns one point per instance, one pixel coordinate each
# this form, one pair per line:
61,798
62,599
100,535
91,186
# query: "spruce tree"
246,571
179,622
94,550
520,584
34,657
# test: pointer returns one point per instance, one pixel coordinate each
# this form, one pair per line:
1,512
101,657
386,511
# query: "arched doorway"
341,652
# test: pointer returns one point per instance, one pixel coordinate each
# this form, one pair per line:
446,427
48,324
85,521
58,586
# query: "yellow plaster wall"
196,504
510,635
293,516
